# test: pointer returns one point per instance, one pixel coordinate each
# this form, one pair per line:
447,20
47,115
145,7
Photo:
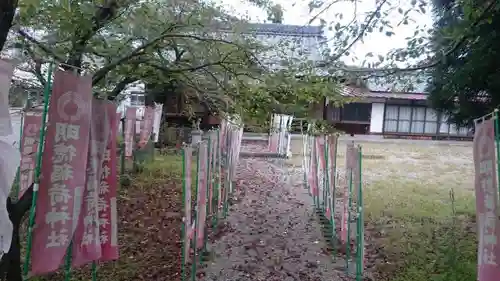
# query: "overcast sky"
377,43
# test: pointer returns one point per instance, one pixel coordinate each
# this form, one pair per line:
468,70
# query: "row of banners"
324,182
76,205
216,161
280,136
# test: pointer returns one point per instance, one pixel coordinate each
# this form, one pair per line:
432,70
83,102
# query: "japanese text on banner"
29,148
188,224
62,173
108,218
486,201
86,244
202,192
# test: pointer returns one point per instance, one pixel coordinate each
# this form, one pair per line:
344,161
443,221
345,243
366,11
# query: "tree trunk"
10,265
7,12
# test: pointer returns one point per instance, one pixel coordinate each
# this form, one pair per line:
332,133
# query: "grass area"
149,214
415,230
429,234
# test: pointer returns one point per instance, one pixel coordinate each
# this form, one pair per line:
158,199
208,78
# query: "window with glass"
356,112
137,99
410,119
451,129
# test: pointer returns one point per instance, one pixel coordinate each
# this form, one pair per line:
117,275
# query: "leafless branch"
324,9
38,65
391,71
362,32
40,45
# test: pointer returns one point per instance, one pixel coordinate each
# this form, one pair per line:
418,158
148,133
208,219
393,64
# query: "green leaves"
464,82
315,4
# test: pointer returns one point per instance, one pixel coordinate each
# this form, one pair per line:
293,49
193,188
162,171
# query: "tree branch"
40,45
103,71
121,86
103,15
362,32
7,13
391,71
38,66
315,17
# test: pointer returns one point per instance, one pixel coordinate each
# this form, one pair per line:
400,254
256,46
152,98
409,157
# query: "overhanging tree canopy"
120,42
466,84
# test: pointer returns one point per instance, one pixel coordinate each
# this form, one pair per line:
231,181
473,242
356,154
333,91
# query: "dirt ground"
274,233
149,237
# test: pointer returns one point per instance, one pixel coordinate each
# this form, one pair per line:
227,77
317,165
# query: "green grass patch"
420,233
424,232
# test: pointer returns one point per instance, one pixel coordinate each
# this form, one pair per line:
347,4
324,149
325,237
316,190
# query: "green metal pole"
67,262
47,90
94,271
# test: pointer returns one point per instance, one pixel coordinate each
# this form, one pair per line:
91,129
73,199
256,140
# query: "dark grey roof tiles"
279,29
286,29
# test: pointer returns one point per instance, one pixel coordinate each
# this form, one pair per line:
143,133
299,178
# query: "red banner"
211,170
147,125
188,224
130,118
348,180
313,171
486,202
108,216
321,165
62,175
330,173
29,147
202,192
86,243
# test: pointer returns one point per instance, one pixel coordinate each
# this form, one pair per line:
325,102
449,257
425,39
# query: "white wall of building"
377,117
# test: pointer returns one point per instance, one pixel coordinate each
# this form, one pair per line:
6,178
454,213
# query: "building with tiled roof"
390,113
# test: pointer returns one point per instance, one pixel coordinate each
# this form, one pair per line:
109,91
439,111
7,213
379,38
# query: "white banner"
9,162
157,120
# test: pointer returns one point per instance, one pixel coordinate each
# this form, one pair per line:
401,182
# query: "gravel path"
272,231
